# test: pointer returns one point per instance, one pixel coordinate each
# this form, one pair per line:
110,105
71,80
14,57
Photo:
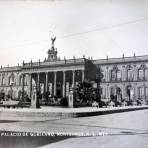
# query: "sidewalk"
52,113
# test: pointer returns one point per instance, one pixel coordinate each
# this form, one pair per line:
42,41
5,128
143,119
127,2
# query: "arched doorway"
130,92
2,94
119,94
19,94
10,94
59,90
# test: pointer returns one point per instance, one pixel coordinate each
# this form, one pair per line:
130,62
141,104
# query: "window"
101,91
118,75
102,75
113,75
145,74
25,81
20,80
141,92
3,81
11,80
141,74
112,91
118,90
129,74
146,91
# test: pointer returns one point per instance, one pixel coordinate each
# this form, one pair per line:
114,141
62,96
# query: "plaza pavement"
122,130
52,113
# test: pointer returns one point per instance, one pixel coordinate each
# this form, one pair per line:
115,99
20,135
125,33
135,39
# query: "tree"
85,93
99,76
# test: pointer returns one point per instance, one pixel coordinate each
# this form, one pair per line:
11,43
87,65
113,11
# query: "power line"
84,32
104,28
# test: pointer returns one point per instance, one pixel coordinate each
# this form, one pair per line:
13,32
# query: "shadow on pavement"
8,121
8,141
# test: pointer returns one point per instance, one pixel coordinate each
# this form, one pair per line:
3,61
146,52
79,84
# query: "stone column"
30,85
83,75
115,90
123,74
136,92
135,73
108,92
23,79
107,75
64,81
146,74
46,83
55,83
144,93
38,81
73,78
67,89
123,91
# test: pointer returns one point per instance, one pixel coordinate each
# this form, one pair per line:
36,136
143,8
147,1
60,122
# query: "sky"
94,28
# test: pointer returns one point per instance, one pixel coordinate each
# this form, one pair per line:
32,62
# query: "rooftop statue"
53,40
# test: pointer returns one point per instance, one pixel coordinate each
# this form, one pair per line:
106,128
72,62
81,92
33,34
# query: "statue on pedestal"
35,99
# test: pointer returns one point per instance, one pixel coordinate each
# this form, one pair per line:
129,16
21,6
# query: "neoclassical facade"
125,77
52,75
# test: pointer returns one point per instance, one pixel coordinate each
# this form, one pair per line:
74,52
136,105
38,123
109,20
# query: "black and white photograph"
73,73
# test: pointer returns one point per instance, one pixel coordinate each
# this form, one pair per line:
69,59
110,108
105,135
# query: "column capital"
64,71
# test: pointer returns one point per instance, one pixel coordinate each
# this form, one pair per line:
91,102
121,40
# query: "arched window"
101,90
112,91
141,92
113,75
20,80
118,90
129,74
146,92
25,81
141,74
3,81
102,76
118,75
12,80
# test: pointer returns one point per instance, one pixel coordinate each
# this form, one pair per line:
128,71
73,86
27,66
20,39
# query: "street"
128,129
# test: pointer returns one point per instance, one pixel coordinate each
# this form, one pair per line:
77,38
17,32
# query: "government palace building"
125,77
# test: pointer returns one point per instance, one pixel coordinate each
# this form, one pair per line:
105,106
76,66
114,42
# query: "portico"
55,80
